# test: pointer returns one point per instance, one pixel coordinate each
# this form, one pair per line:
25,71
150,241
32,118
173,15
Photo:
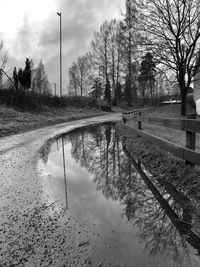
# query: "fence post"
140,122
190,138
124,120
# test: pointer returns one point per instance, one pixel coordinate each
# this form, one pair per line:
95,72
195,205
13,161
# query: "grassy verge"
13,121
176,136
160,163
172,111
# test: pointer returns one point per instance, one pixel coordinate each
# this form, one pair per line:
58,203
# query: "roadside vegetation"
13,121
30,100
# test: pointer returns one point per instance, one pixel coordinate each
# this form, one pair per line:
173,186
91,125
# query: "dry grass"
13,121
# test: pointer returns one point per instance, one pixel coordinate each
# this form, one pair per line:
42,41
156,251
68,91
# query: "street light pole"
55,89
60,15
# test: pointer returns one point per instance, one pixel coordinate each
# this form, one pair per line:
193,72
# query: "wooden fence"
129,113
191,126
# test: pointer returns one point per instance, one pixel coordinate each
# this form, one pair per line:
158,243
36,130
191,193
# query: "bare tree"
85,77
40,82
3,61
172,31
100,50
3,56
73,82
81,78
130,40
113,52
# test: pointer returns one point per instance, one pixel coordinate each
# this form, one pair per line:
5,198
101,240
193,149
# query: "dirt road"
33,233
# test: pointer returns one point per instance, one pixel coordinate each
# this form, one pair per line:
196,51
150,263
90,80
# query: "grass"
172,111
13,121
176,136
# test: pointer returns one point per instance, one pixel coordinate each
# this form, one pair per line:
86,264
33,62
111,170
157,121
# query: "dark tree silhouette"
27,74
147,75
21,78
15,78
127,91
108,92
118,92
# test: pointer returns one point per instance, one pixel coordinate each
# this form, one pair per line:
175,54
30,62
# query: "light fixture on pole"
60,15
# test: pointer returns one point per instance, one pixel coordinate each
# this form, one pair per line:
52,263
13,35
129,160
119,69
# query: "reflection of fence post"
190,137
139,163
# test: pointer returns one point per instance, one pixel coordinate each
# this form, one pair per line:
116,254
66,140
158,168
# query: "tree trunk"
117,70
143,95
81,86
183,92
113,76
183,101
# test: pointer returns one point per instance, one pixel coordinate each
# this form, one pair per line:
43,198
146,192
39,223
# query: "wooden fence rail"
136,111
190,126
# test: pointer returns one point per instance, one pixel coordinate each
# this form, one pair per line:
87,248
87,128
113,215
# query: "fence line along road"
190,126
136,111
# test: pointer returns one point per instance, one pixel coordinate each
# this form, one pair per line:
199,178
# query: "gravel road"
32,231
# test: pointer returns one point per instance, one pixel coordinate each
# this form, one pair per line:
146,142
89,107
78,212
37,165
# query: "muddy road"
32,231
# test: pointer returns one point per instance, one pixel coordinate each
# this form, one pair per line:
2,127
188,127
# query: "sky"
30,28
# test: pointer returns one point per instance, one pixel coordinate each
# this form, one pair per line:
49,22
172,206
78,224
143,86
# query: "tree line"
151,51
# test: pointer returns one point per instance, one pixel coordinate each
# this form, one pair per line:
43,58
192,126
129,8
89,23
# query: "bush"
29,100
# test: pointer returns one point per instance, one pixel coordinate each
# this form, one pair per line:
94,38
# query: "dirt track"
33,233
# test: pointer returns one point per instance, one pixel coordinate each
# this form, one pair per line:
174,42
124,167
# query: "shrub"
29,100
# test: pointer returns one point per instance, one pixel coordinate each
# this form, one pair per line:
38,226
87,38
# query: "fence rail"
136,111
190,126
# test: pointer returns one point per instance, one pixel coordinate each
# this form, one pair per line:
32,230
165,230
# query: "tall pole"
60,15
55,89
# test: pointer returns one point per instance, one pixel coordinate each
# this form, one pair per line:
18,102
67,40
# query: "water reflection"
182,222
167,219
64,170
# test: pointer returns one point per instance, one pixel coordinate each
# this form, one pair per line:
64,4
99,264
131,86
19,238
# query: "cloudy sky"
30,28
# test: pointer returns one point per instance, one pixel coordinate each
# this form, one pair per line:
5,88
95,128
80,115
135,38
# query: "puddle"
131,223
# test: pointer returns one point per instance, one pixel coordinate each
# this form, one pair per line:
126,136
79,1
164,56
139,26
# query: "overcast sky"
30,28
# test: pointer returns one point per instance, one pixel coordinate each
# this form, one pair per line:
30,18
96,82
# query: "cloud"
38,38
78,23
23,42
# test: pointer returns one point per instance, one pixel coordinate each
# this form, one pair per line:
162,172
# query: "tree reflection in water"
164,215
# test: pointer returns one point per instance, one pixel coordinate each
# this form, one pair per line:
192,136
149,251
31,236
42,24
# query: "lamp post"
60,15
